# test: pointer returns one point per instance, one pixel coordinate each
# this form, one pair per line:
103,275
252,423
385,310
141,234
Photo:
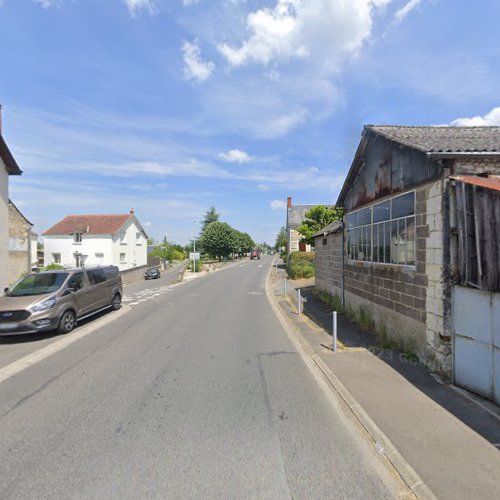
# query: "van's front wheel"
117,302
67,323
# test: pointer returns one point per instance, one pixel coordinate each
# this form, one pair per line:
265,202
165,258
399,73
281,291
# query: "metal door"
476,324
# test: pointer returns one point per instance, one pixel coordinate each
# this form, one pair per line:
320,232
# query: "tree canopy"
219,240
211,216
316,219
168,251
281,239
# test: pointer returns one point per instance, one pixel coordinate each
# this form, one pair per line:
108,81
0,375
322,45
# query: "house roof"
484,182
296,214
89,224
9,161
333,227
443,140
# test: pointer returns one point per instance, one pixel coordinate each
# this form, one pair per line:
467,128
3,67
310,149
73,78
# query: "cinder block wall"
407,304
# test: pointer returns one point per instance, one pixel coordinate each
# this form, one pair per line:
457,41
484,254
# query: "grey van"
55,300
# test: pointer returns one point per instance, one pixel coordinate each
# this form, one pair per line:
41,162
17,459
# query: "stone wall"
133,275
19,245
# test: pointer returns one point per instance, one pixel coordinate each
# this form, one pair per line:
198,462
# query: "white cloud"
330,29
135,6
194,67
188,3
406,9
277,205
235,156
46,4
489,119
263,187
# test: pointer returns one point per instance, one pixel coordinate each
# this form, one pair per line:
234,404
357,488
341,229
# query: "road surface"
195,392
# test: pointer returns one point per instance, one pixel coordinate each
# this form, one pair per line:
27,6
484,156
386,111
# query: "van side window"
111,272
96,276
76,281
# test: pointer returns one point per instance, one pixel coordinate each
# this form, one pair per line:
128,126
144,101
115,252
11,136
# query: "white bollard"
298,301
284,286
334,332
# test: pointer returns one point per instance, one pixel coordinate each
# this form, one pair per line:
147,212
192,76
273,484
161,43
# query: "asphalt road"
195,392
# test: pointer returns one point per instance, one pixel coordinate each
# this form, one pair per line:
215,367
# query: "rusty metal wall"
388,168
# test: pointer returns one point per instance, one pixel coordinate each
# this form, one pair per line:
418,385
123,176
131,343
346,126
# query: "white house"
96,240
8,166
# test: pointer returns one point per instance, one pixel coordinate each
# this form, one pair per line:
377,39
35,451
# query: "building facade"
295,215
22,244
397,254
93,240
8,167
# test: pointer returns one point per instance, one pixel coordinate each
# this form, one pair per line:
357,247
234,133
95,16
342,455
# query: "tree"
316,219
219,240
281,239
210,216
168,251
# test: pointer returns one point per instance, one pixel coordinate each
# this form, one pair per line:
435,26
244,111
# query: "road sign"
194,256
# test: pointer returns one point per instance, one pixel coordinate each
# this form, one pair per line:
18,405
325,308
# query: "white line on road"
260,265
31,359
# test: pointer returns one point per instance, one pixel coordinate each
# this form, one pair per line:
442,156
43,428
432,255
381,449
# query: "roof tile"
89,224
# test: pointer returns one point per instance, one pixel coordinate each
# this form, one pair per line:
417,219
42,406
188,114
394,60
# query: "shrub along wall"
301,265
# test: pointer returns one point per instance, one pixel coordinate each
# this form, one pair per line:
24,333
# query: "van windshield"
38,284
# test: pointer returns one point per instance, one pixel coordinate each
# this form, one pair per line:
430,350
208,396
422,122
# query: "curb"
382,443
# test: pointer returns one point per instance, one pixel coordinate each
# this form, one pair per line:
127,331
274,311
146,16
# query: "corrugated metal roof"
333,227
444,140
484,182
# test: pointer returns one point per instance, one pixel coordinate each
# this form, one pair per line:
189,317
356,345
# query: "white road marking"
31,359
260,265
241,265
133,303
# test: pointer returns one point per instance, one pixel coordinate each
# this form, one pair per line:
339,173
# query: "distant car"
152,274
255,254
271,252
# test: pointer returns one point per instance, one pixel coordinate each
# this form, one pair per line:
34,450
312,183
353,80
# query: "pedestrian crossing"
141,296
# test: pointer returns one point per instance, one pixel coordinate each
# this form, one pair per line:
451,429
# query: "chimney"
289,202
131,211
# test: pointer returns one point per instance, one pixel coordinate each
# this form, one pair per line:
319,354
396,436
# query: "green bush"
301,265
301,269
197,266
302,256
53,267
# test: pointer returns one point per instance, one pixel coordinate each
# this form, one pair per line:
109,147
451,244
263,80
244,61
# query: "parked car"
152,274
255,254
271,252
56,300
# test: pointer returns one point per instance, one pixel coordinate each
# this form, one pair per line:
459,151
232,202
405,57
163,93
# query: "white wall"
135,250
90,246
4,226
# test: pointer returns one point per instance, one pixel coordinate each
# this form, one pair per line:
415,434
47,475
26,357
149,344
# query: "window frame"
389,221
77,237
56,260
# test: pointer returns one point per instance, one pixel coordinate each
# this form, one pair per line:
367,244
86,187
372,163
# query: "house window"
77,237
56,258
122,239
123,257
383,233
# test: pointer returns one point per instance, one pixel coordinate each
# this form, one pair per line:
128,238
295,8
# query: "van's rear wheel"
67,323
117,302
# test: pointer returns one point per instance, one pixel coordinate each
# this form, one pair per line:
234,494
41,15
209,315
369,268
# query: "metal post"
194,250
299,298
284,286
334,332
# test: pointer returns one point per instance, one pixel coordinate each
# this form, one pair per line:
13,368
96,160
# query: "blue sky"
171,106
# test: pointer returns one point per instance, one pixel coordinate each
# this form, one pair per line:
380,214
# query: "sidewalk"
425,426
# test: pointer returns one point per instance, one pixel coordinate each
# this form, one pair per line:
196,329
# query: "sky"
172,106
